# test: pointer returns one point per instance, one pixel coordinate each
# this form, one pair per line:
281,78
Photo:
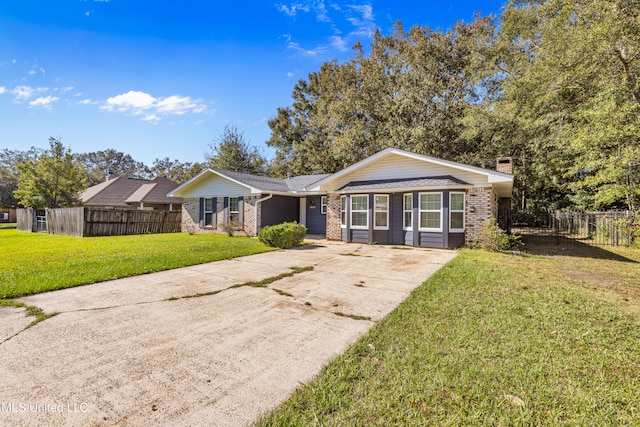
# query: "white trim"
463,211
205,211
405,210
256,210
492,176
343,211
323,205
420,210
352,211
303,211
386,227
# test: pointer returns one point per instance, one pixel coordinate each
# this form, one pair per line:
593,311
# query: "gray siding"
316,220
456,240
360,236
431,240
408,238
381,237
279,209
396,220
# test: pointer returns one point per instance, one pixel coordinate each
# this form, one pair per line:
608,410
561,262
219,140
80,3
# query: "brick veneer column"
478,210
190,216
334,231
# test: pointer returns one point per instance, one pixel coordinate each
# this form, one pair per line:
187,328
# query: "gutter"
255,227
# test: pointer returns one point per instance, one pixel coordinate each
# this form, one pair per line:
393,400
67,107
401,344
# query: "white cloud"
339,43
85,102
44,102
292,10
31,72
306,52
290,74
153,109
365,23
22,93
2,90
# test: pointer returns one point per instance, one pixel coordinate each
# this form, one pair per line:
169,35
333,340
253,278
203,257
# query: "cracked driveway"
186,347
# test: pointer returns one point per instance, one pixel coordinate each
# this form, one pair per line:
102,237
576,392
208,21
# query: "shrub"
230,227
284,236
493,238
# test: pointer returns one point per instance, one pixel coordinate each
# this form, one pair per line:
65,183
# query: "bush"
493,238
284,236
230,227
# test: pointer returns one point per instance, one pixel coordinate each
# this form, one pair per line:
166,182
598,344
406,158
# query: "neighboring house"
393,197
132,193
8,215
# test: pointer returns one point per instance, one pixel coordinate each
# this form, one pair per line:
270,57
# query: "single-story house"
132,193
392,197
8,215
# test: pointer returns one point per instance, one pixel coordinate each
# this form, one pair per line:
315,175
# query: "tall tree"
572,71
9,173
411,91
55,179
175,170
231,152
101,165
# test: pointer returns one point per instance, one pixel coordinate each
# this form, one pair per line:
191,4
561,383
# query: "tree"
175,170
572,85
100,165
410,92
55,179
231,152
9,173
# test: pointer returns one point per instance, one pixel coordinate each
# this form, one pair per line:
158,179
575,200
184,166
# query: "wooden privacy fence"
86,222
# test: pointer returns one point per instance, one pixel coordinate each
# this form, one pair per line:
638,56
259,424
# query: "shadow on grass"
563,246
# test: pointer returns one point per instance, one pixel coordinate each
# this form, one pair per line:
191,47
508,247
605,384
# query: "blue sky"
158,79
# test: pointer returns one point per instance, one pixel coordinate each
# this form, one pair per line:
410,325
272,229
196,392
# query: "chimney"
505,165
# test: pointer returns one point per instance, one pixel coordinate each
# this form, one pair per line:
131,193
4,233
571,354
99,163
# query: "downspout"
255,216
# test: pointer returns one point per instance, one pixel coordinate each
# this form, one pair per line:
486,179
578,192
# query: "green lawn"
494,339
32,262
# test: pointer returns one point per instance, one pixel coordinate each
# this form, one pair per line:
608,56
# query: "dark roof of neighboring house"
430,181
294,184
125,192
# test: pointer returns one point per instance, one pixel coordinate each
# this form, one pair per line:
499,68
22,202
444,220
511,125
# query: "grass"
493,339
32,262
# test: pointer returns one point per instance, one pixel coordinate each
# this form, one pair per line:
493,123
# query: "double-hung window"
323,205
381,215
431,211
407,210
343,211
208,212
360,211
234,213
456,212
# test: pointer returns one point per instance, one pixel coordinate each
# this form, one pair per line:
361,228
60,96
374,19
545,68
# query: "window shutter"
201,213
226,210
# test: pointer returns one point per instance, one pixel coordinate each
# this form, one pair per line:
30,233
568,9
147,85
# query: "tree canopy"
52,180
231,152
554,84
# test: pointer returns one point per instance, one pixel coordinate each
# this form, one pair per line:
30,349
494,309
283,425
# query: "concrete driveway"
184,347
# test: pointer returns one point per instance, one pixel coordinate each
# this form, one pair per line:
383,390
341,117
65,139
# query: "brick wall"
480,201
334,231
191,217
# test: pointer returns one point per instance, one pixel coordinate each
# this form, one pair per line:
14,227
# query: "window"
456,212
431,211
208,212
381,215
360,211
407,204
343,211
233,209
323,204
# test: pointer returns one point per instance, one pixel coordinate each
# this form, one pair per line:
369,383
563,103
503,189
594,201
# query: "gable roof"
123,192
503,183
253,183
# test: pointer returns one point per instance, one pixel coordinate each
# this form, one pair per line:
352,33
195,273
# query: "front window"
381,218
343,211
456,209
360,211
431,211
208,212
234,213
408,211
323,204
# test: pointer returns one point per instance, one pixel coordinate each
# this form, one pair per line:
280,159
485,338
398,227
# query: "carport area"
214,344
